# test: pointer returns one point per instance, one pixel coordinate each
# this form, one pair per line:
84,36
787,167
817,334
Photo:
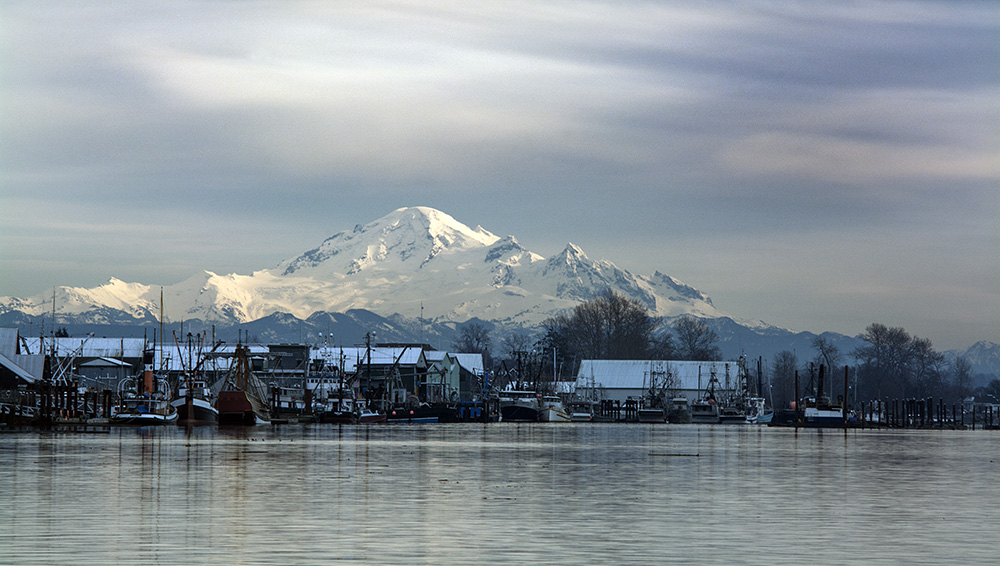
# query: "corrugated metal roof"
89,347
8,341
14,367
434,355
33,364
470,362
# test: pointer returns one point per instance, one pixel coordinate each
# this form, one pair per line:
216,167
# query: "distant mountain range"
415,274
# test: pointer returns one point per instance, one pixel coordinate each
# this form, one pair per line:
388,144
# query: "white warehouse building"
618,380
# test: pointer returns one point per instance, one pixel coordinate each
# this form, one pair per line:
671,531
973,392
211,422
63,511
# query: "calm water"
500,494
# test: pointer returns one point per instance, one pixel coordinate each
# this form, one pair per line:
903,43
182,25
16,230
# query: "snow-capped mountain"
417,262
984,357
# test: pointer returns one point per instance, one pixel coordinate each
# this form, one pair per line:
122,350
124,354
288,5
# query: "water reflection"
501,493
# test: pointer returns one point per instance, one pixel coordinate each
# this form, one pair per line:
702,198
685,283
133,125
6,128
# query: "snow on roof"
470,362
89,347
635,374
105,362
434,355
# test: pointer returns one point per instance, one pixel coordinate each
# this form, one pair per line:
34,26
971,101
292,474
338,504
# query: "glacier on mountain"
412,260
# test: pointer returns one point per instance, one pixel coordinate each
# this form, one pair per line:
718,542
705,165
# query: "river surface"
499,493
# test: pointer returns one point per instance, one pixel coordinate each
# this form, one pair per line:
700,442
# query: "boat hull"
202,412
143,419
369,417
338,417
518,413
236,409
654,416
554,415
422,414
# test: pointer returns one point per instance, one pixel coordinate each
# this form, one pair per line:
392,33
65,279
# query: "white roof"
8,341
635,374
105,362
434,355
89,347
470,362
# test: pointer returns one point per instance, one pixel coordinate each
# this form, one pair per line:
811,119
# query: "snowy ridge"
411,259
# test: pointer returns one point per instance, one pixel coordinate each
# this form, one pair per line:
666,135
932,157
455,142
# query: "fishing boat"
420,413
144,401
652,415
679,411
552,410
757,412
339,410
194,404
821,413
705,411
242,399
581,411
732,415
518,406
194,400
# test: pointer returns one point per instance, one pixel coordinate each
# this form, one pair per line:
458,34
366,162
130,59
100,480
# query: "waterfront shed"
618,380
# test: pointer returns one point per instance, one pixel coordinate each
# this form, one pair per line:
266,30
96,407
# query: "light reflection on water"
500,493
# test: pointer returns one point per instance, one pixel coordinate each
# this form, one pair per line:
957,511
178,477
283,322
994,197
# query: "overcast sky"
816,165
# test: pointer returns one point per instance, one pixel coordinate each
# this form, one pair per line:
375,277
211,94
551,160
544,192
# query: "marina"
468,492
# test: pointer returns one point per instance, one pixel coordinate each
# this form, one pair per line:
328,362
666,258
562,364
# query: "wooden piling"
797,399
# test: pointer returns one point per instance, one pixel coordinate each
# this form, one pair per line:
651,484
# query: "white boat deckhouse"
619,380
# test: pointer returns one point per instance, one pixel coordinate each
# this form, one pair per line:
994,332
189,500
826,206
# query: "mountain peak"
408,234
440,226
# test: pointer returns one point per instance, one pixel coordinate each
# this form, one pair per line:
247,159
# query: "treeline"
892,364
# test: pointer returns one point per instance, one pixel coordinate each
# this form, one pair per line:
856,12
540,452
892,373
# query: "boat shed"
105,373
618,380
453,377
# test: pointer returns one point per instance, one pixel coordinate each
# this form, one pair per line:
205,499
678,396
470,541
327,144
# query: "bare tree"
827,353
695,340
514,343
610,326
961,376
895,364
474,338
783,378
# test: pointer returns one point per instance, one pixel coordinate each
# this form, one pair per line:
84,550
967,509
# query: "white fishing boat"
143,400
552,410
